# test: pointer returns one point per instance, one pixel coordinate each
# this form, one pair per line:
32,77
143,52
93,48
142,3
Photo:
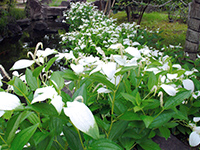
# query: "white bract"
21,64
49,92
8,101
188,85
82,118
169,89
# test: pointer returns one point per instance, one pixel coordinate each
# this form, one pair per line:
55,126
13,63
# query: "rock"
24,22
65,3
14,29
40,26
34,10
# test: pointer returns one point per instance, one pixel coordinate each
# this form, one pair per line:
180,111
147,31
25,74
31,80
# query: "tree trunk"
193,31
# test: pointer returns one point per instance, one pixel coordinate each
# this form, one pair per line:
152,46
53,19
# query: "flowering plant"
119,100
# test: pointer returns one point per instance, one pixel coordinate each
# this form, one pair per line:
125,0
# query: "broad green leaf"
81,91
31,80
39,136
102,79
72,138
147,120
33,118
129,116
196,103
44,108
126,142
196,83
165,132
13,125
135,133
176,100
46,144
104,144
102,124
129,97
56,125
118,129
152,80
138,99
125,69
50,62
148,144
150,104
163,118
68,74
23,137
57,80
20,87
37,71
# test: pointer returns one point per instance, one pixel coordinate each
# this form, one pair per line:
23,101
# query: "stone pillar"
193,31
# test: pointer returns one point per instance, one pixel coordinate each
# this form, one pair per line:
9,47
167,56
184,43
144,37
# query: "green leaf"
68,74
44,108
147,120
126,142
152,80
104,144
23,137
130,116
196,103
125,69
57,80
196,83
30,79
72,138
56,125
50,62
39,136
163,118
33,118
135,133
46,144
165,132
102,79
81,91
37,71
13,125
129,97
102,124
176,100
20,87
118,129
148,144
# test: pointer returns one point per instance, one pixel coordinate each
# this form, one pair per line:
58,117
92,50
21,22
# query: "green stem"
79,135
3,140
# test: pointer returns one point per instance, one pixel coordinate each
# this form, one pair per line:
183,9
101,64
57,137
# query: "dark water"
13,49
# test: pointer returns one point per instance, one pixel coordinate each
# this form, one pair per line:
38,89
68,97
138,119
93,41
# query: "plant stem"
79,135
3,140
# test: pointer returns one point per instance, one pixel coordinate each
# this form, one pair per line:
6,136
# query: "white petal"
77,68
8,101
121,61
188,84
1,112
42,94
46,52
172,76
21,64
109,69
57,103
176,66
194,139
170,90
133,51
103,90
80,115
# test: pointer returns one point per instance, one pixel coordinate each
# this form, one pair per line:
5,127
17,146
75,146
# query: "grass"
173,33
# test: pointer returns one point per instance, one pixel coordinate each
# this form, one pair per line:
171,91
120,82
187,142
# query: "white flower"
103,90
116,46
8,102
46,52
82,118
196,119
169,89
77,68
44,93
133,51
172,76
194,139
188,84
109,69
21,64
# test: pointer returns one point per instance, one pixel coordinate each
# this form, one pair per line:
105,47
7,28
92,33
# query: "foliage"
119,101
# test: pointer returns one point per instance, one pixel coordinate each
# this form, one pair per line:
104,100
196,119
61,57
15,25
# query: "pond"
13,49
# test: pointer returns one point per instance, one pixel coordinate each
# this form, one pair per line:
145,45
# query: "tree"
193,31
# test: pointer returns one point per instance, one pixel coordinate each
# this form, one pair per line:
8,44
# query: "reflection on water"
16,48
